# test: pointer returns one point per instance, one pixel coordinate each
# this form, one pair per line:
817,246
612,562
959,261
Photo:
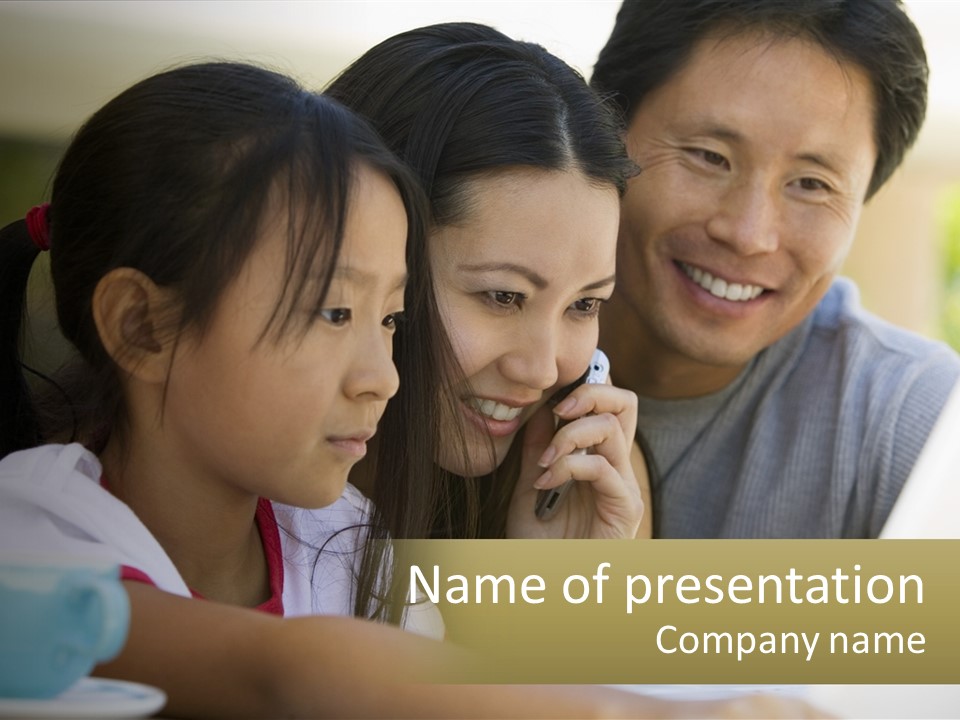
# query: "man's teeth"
720,287
493,409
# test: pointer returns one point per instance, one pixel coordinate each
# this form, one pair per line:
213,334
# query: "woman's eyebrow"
538,281
600,283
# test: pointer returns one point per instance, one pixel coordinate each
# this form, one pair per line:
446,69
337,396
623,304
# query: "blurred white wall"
59,61
62,60
896,257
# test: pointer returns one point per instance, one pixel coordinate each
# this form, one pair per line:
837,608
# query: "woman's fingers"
599,399
594,469
593,450
601,434
615,499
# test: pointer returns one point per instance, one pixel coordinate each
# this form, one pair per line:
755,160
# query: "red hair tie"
38,227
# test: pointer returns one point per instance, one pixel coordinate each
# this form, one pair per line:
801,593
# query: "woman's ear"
133,316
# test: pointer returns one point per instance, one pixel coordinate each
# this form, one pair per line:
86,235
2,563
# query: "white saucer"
712,692
90,698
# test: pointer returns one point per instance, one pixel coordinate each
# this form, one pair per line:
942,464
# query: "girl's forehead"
375,234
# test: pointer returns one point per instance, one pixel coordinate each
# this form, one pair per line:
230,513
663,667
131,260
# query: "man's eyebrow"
823,161
704,125
537,280
723,132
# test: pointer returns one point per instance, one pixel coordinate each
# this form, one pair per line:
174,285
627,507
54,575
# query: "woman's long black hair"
457,101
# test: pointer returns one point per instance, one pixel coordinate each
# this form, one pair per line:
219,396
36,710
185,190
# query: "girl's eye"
505,298
336,316
588,306
393,320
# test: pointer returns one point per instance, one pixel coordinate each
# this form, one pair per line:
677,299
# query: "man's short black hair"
652,39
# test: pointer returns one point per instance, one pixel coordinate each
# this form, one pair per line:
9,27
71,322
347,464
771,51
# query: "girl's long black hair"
173,178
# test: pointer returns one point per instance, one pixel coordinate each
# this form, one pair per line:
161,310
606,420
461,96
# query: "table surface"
851,702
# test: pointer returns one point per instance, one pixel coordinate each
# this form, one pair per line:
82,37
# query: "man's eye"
713,158
336,316
813,184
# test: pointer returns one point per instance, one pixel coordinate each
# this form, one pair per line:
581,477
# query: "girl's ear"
132,313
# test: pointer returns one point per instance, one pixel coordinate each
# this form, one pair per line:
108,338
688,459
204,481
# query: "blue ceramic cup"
58,618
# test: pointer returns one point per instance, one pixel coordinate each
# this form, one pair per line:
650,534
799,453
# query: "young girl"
228,260
523,167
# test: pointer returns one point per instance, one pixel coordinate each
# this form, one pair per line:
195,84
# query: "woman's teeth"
493,409
720,287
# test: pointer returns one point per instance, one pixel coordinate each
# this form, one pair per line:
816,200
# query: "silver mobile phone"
549,501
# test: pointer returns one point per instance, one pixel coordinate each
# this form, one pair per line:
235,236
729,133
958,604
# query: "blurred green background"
950,229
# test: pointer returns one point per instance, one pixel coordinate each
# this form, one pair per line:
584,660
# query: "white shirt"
52,503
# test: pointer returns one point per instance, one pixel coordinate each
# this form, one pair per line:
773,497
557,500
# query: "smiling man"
771,403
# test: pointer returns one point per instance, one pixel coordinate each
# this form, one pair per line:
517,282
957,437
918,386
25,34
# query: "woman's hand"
605,500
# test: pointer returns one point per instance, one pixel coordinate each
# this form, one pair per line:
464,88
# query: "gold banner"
697,611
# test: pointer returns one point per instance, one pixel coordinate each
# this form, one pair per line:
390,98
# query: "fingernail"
548,455
568,404
541,481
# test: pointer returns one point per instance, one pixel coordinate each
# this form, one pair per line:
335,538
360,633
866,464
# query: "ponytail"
20,243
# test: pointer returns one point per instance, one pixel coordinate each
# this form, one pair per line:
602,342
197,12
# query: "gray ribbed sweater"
814,438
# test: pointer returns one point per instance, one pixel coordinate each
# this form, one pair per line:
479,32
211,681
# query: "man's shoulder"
841,322
863,362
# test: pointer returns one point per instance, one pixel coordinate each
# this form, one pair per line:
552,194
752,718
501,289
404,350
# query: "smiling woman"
520,282
523,166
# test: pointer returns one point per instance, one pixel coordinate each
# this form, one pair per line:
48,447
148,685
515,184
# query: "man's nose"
747,217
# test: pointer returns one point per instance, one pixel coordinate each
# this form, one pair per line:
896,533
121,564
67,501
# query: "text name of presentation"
841,587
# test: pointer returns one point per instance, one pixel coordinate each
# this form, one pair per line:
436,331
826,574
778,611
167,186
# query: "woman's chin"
478,461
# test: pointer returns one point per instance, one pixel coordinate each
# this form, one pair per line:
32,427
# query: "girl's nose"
373,372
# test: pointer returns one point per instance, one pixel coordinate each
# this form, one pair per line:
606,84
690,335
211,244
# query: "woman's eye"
392,320
588,306
336,316
505,298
